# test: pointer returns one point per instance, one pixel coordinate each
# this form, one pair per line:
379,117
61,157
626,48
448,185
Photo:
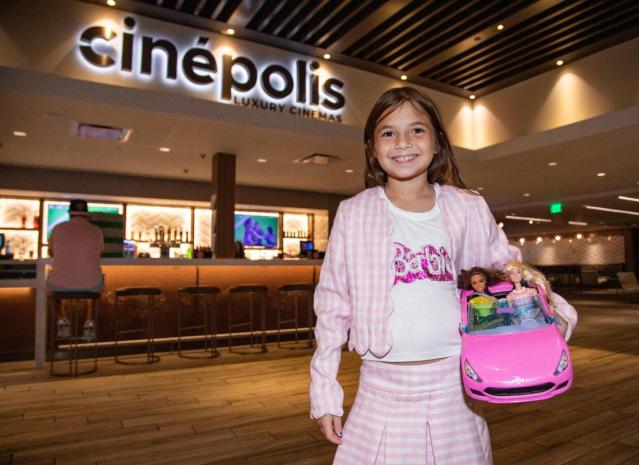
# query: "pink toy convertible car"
509,355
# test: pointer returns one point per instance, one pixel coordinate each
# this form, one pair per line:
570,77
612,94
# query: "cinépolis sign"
296,88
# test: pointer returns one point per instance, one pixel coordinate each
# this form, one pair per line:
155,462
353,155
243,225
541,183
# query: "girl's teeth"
405,158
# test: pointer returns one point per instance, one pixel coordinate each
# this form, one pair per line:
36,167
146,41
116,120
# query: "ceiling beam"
375,19
487,33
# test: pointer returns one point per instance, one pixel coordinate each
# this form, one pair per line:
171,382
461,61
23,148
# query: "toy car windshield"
495,315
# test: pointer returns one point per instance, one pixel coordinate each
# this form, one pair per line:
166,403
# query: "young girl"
387,287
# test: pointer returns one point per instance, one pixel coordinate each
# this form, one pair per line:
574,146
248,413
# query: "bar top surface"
187,262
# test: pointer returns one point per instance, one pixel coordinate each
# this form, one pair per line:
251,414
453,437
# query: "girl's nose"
403,141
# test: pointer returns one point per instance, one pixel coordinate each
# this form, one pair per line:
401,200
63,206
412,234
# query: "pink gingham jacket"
352,299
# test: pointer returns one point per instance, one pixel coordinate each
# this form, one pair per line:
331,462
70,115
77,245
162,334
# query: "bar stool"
298,293
252,293
74,343
150,293
208,327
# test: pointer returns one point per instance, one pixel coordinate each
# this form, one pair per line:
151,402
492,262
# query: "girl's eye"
419,130
387,134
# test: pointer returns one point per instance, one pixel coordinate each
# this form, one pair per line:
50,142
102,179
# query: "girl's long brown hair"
443,169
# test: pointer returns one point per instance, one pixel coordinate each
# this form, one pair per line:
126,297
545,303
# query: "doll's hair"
491,276
531,275
443,168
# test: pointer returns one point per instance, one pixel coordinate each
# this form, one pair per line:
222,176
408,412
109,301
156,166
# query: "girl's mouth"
405,158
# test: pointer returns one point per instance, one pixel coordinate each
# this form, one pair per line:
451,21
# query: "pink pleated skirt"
413,415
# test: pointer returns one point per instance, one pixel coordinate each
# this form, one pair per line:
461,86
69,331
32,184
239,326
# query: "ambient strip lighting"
578,223
632,199
526,218
611,210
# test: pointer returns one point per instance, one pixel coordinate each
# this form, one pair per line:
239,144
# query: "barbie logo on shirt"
429,263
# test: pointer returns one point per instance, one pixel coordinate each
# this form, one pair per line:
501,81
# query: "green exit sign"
556,208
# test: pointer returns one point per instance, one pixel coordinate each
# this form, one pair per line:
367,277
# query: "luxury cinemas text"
199,66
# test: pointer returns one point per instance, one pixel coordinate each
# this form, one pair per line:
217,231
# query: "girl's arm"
333,310
566,313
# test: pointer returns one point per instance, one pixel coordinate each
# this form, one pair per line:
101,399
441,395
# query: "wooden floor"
235,410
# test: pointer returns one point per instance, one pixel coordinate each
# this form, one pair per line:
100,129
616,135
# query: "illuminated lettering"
298,82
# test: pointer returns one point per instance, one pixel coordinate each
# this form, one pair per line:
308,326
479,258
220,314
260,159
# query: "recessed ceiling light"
349,171
111,2
501,225
472,97
19,133
52,114
261,160
530,221
164,149
327,56
480,188
552,163
522,240
579,236
526,194
601,174
500,27
229,31
557,237
403,77
539,239
559,62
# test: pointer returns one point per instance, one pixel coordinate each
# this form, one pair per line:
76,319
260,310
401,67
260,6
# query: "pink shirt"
76,246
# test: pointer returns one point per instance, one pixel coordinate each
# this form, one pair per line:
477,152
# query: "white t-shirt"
425,322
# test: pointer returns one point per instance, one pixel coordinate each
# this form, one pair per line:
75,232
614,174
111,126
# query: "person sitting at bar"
76,246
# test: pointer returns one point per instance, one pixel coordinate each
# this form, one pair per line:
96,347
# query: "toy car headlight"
563,363
470,372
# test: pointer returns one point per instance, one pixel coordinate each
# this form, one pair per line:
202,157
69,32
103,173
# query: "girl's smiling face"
404,143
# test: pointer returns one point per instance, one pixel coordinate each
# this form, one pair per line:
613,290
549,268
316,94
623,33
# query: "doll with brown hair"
482,302
478,279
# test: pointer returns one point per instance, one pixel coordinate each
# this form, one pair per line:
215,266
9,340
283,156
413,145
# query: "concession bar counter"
24,290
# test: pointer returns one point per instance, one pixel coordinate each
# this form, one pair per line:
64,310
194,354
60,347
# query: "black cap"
78,207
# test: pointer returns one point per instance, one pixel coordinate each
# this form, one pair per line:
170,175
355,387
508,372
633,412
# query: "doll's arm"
332,307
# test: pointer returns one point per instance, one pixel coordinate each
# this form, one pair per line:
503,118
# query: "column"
223,179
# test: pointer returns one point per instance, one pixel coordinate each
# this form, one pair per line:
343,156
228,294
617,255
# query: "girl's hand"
331,427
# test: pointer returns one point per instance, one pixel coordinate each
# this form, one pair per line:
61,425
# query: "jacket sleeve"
501,252
566,312
333,309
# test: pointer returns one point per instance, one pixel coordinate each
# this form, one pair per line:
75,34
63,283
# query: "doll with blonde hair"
523,298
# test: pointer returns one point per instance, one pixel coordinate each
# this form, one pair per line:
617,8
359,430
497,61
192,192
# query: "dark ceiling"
454,46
